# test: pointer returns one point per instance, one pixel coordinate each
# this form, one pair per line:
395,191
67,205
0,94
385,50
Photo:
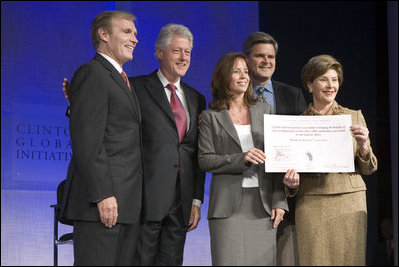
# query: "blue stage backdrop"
43,42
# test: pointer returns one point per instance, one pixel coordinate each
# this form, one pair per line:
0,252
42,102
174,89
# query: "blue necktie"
261,96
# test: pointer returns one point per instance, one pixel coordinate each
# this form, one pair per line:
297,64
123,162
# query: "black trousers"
162,242
97,245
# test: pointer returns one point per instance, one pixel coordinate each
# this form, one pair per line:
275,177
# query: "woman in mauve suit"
331,210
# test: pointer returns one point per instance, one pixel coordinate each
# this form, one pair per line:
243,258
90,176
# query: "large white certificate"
308,143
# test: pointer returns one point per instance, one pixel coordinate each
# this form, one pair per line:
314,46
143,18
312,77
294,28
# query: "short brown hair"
104,21
258,38
220,85
317,66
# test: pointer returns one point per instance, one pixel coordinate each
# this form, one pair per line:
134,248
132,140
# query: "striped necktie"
178,111
126,79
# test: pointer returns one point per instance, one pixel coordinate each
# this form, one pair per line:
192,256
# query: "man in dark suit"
105,174
173,184
261,49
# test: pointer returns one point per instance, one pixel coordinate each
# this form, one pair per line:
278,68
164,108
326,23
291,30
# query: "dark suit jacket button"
141,172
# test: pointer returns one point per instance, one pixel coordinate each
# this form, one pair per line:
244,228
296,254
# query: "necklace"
238,116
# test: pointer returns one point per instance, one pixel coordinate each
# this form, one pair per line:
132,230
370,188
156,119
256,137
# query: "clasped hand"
255,156
291,179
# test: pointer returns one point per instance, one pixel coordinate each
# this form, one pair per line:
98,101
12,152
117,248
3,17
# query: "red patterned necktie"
126,79
178,111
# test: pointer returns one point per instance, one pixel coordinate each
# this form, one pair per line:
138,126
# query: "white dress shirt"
113,62
250,175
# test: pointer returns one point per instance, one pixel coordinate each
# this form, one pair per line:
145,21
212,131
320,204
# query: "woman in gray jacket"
245,204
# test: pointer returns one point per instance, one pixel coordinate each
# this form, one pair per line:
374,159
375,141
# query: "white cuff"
197,202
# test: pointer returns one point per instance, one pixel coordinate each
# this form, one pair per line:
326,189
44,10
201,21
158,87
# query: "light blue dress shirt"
268,93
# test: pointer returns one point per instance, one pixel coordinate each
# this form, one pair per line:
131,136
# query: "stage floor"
27,232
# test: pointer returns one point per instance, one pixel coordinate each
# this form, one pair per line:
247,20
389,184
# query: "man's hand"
277,215
195,217
108,208
65,89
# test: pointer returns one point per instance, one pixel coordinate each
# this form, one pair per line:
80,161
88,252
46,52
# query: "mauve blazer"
219,152
340,183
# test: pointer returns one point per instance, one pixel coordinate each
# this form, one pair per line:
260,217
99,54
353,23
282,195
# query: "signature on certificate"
281,153
310,156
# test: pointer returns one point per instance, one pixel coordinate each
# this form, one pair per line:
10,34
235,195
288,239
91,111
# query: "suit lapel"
225,121
256,125
277,96
256,116
117,77
191,106
136,105
156,90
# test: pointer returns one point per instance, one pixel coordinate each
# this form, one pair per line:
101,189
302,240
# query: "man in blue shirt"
261,50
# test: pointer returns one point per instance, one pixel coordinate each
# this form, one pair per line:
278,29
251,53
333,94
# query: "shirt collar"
165,81
112,61
268,86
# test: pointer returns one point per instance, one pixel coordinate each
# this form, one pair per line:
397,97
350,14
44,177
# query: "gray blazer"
220,153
